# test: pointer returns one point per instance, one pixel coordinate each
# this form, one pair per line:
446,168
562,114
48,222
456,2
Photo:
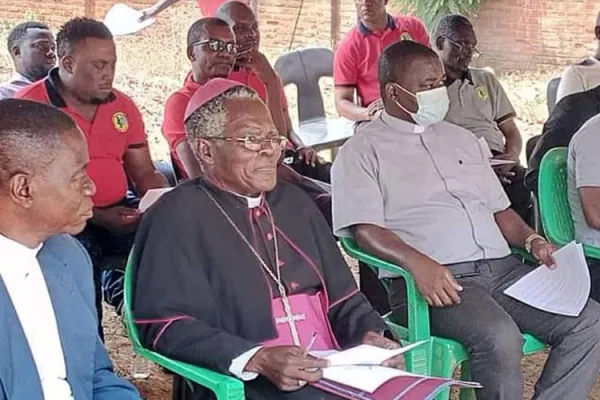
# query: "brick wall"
516,34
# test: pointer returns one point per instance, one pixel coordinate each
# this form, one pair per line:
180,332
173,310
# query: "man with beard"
32,49
82,86
356,58
479,104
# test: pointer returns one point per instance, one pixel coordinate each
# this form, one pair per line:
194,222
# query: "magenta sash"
310,316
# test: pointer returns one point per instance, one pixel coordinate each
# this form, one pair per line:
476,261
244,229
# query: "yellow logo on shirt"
405,36
482,93
120,122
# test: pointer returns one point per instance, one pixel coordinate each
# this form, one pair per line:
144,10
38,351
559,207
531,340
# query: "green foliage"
430,11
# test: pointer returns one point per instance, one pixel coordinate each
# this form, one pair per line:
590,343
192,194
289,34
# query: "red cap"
207,92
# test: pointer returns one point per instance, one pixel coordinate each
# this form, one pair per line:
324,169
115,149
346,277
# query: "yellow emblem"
481,93
120,122
406,36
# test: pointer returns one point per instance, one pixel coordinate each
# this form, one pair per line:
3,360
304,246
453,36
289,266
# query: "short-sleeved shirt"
357,56
173,127
116,127
432,186
579,78
583,169
479,104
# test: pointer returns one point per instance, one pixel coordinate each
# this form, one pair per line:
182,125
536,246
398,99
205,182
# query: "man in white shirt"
50,348
583,76
420,192
32,49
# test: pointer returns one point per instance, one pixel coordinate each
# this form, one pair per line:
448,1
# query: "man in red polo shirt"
81,86
357,56
212,50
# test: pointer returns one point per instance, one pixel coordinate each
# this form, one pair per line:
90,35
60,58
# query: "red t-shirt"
117,126
357,57
173,127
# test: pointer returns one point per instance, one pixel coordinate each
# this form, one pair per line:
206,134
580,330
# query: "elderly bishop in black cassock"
238,273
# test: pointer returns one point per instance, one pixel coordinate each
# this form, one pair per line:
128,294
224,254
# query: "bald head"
230,11
242,20
30,134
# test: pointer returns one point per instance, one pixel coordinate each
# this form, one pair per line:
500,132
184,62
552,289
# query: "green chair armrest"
225,387
418,309
591,252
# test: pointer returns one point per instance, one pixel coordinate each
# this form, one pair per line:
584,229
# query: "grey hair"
210,119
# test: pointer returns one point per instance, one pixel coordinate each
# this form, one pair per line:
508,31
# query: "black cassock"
201,295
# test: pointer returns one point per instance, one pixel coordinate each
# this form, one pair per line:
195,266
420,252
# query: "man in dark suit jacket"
566,118
50,348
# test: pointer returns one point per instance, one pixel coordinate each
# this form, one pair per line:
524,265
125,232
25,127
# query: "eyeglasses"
218,46
463,48
254,143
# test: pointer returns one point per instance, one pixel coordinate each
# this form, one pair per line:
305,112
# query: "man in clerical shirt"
50,348
235,271
420,192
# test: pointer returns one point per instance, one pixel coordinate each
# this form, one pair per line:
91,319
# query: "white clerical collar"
14,251
253,202
401,124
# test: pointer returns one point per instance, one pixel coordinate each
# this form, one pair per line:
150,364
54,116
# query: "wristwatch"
530,240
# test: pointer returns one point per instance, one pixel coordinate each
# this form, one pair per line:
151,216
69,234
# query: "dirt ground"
152,65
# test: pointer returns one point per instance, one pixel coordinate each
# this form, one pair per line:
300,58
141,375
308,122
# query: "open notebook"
357,373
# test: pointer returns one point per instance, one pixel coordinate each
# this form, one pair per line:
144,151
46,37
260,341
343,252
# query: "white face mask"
433,105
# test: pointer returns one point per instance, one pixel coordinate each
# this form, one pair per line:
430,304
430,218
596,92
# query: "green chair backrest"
127,295
553,197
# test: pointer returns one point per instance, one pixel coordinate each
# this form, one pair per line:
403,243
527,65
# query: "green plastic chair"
554,201
439,356
225,387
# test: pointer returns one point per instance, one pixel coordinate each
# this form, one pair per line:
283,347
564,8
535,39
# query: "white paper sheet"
151,197
124,20
363,354
485,149
563,290
366,378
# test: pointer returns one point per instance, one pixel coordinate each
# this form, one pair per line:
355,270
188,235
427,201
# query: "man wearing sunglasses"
32,49
479,103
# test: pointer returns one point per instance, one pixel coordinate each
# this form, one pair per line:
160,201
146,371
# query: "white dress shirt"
24,281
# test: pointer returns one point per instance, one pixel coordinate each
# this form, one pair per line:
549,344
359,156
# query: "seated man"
211,61
583,76
583,180
566,118
50,347
355,63
420,193
81,86
32,49
198,301
212,51
478,103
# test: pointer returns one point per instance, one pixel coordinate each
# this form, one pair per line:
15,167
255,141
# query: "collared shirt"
566,118
16,83
250,79
25,283
432,186
579,78
479,104
116,127
583,170
357,57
